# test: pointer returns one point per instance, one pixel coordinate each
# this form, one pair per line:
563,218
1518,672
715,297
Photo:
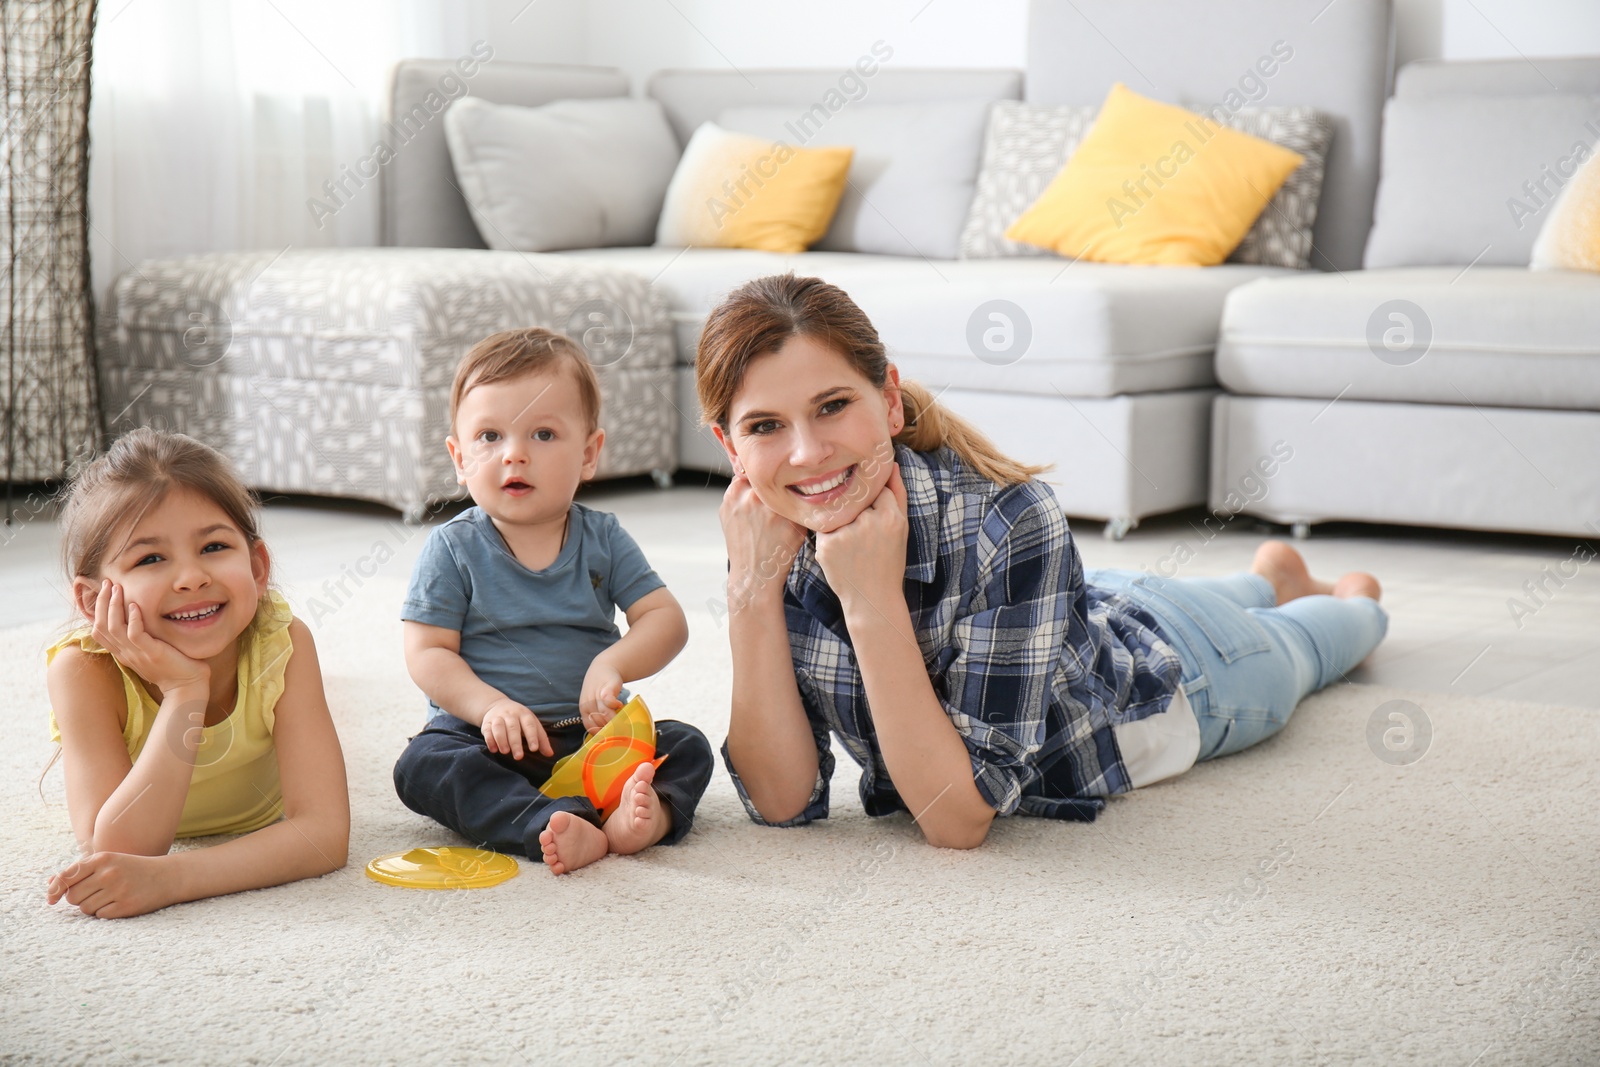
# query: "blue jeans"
1246,662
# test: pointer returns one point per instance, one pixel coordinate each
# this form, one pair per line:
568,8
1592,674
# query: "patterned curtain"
48,403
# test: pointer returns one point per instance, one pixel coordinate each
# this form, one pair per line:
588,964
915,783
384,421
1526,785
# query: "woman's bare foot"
640,819
1280,564
1358,583
569,842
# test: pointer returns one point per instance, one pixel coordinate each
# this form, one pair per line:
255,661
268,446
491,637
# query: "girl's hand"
506,724
601,697
866,557
761,543
119,627
114,885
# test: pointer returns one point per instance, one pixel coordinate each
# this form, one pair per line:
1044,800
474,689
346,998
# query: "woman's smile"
827,489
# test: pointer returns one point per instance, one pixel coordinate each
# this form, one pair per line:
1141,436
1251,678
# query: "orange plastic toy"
600,768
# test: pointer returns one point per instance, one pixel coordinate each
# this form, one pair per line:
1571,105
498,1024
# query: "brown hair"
136,474
759,316
510,354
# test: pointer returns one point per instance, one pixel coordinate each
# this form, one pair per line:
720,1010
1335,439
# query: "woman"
897,582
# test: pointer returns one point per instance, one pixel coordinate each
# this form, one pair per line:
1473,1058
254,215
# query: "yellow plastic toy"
600,768
450,867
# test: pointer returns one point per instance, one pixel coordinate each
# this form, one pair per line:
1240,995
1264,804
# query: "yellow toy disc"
443,868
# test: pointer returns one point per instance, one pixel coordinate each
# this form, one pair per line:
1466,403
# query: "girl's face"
812,434
195,577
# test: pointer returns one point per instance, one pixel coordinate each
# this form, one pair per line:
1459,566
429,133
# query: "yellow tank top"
235,785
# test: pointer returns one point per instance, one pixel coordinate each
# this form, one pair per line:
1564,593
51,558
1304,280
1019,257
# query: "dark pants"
448,774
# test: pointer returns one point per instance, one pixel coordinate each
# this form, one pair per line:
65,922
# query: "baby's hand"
601,697
506,724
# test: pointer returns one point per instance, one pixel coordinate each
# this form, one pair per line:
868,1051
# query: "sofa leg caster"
1117,529
662,478
1300,531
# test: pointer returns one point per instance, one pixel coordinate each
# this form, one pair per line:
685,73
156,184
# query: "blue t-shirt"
530,634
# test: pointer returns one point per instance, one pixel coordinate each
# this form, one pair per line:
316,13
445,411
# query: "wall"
641,36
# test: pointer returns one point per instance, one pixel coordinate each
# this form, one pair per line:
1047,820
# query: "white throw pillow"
570,174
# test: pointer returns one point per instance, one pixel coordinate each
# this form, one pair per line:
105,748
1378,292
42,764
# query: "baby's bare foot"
569,842
640,819
1280,564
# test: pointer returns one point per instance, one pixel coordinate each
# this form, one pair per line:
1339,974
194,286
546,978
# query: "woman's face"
812,434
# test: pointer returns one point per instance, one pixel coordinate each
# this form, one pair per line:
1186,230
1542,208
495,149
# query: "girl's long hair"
759,316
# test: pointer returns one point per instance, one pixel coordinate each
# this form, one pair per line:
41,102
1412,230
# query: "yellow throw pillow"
1154,183
1570,237
734,191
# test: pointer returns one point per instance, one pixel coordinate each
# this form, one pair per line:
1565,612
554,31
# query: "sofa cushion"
1499,336
420,203
1043,326
1570,236
1026,145
695,96
1153,183
1335,57
1281,237
570,174
1467,179
732,190
911,179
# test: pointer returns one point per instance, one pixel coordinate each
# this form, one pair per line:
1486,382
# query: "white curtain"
214,122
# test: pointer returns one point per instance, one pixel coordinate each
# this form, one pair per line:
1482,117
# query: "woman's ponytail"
930,425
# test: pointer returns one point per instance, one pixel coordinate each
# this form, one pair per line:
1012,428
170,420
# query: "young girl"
898,583
192,704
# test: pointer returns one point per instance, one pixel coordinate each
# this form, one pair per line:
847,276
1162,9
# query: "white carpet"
1303,901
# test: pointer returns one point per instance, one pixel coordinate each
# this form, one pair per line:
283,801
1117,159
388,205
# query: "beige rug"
1306,901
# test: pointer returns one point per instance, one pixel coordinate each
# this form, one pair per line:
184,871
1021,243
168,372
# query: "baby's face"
522,447
194,575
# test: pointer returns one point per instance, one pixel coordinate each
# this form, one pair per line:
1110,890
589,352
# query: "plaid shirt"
1032,666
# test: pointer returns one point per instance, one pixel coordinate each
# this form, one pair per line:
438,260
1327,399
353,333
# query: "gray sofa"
1117,384
1446,384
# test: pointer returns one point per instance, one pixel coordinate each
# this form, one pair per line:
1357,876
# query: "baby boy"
510,623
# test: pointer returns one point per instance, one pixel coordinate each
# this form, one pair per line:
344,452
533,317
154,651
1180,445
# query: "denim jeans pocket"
1199,614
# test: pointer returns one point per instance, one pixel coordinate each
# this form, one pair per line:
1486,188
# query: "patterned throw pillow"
1281,237
1026,145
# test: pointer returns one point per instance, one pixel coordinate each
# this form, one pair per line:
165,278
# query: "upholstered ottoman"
328,371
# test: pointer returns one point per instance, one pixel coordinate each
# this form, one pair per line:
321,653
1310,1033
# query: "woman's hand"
119,627
865,559
601,696
761,543
114,885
